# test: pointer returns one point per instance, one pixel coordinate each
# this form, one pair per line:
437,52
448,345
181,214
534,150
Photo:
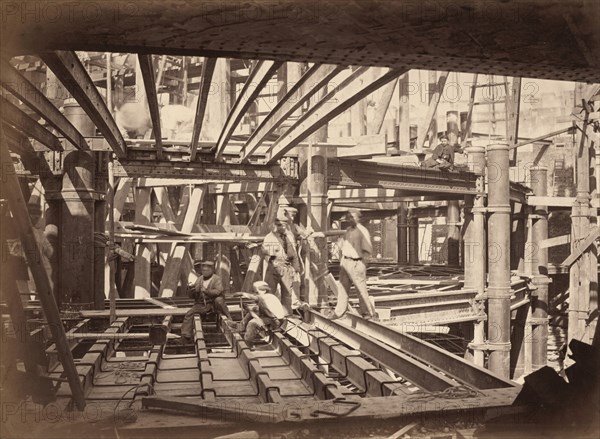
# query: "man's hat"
207,263
281,214
261,285
355,212
443,136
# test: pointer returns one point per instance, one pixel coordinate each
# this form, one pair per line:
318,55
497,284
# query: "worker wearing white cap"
264,316
355,247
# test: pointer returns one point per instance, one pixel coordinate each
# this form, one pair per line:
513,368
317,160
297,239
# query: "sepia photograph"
297,219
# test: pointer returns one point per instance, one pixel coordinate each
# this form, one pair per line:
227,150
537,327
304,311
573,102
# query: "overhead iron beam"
312,81
147,69
208,69
198,170
28,93
259,76
355,173
13,115
73,75
348,93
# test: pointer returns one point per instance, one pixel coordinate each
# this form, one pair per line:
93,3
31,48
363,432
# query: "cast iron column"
498,291
539,266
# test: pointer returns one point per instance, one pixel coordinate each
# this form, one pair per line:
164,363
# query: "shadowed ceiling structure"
527,38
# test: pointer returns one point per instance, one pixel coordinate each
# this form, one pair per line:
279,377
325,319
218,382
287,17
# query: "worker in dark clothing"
282,265
442,156
207,293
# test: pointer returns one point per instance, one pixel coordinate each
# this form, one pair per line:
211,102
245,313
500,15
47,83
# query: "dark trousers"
218,305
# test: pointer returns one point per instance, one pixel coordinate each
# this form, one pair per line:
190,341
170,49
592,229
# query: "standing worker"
207,293
282,265
355,247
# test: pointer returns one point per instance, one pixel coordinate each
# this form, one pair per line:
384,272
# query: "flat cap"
261,285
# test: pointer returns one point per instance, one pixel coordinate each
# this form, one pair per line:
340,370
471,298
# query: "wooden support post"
404,114
518,237
179,259
402,222
453,223
143,216
540,304
452,126
223,250
41,278
434,98
99,246
583,294
112,290
498,291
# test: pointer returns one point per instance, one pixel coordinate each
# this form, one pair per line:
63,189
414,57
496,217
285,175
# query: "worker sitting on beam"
442,156
264,315
208,296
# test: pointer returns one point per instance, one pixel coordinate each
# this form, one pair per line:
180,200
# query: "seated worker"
443,155
207,293
264,316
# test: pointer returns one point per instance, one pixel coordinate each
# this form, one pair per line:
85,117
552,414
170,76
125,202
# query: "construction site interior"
138,140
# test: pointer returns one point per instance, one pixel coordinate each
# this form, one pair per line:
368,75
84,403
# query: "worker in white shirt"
355,247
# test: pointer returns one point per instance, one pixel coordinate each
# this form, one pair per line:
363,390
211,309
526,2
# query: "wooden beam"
346,94
553,242
27,92
513,106
312,81
545,136
469,121
162,196
208,69
382,107
121,193
173,266
433,104
73,75
13,115
35,260
143,215
592,236
147,69
259,76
